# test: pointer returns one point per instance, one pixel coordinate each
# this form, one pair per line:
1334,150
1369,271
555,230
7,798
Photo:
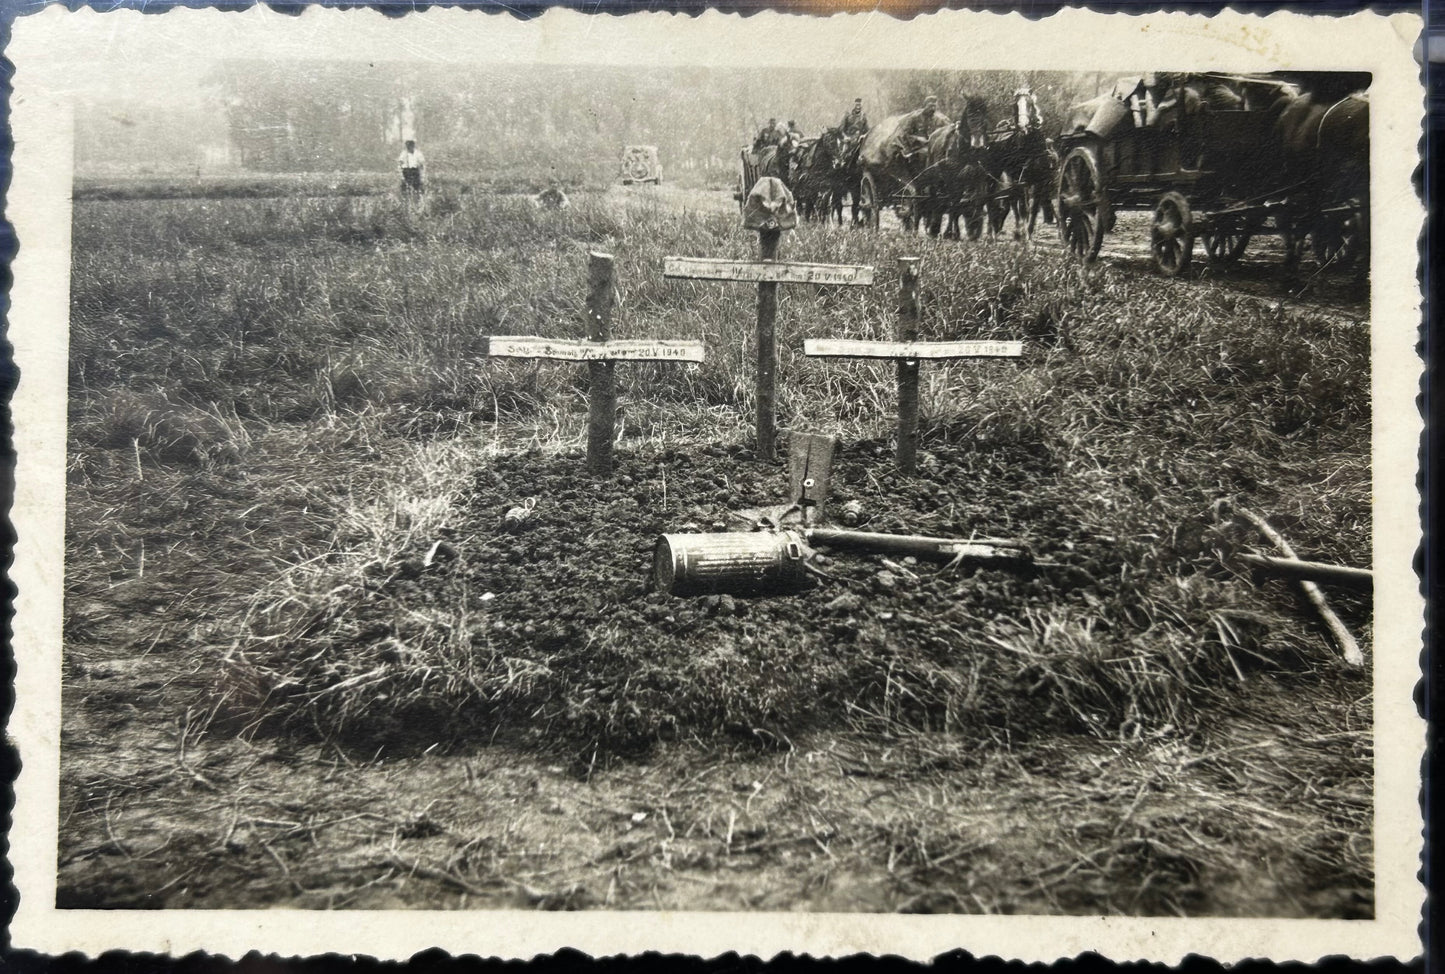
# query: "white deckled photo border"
48,47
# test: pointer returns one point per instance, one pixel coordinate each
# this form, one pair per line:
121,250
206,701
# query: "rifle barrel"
920,546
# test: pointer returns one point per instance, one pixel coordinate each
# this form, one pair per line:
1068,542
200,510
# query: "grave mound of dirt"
548,634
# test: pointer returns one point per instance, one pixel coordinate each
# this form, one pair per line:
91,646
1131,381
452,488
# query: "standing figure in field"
411,163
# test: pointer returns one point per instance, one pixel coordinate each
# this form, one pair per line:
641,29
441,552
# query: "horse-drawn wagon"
1219,158
891,159
756,162
966,169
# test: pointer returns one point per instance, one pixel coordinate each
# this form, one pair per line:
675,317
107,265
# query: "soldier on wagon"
855,123
921,126
769,134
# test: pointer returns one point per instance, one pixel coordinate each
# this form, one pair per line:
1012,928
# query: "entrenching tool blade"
810,470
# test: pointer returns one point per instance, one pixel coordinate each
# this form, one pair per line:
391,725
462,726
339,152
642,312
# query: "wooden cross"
769,212
908,351
601,353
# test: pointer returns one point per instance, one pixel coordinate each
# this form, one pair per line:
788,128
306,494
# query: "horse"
773,160
1039,173
802,179
1024,164
1021,164
816,174
847,175
1324,150
952,181
954,177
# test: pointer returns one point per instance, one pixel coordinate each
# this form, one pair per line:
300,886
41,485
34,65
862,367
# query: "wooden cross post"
601,353
767,418
907,367
770,210
601,374
909,352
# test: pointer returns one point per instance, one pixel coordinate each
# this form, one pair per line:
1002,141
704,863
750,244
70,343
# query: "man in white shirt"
411,162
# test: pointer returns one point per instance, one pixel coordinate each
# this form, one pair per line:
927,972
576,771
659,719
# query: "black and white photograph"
793,471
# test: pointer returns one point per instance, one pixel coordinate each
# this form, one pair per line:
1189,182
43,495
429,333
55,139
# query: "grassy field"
304,665
305,185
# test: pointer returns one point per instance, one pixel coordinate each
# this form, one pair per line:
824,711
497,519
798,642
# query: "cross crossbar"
907,352
601,353
767,271
848,348
569,350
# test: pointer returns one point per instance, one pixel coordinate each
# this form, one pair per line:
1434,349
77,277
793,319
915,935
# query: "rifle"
776,562
1002,552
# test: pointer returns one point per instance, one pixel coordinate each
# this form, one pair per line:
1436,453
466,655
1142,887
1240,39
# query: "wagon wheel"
1083,203
1226,246
910,209
1172,238
868,201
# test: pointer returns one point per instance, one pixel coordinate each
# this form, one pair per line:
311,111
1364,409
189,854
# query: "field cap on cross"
770,206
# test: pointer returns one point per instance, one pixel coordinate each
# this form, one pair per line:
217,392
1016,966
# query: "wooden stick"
767,349
602,392
907,367
1359,579
1353,655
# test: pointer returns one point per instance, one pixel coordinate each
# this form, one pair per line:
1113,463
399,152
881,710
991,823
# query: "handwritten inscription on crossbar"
562,349
760,271
847,348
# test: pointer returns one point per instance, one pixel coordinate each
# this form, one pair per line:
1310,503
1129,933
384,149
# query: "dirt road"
1258,273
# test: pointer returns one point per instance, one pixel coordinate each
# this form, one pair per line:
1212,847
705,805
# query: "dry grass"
1137,408
289,452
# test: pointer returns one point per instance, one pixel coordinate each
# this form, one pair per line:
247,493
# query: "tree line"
570,122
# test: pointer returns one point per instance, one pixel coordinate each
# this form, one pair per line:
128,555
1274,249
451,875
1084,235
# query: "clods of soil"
531,617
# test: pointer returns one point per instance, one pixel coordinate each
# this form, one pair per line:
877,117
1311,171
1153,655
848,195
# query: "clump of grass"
162,431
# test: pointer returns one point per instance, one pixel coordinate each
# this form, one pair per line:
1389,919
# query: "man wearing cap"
855,123
769,134
921,126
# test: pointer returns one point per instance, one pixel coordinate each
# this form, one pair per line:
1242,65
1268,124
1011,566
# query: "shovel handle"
1359,579
1353,655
